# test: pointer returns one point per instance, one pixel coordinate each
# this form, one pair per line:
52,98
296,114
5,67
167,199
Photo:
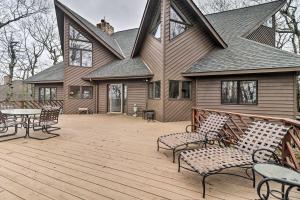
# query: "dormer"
265,33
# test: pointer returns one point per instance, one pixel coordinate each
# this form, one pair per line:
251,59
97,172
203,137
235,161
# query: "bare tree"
15,10
9,61
291,27
32,52
45,32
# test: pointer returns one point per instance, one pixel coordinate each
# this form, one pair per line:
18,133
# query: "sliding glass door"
115,93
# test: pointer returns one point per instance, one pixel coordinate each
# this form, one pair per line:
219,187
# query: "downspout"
163,95
97,98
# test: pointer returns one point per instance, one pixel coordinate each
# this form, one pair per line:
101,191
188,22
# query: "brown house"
177,59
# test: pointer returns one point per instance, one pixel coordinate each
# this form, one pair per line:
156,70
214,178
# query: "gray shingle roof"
102,35
126,40
234,23
243,54
123,68
52,74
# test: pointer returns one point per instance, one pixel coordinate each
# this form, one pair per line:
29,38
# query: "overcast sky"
122,14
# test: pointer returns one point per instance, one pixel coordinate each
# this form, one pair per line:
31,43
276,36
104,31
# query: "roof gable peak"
147,16
102,37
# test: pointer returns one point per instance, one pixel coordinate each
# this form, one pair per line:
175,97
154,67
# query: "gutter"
119,77
42,82
246,71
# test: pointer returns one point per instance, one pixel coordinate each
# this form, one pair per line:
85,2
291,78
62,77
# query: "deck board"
105,157
5,195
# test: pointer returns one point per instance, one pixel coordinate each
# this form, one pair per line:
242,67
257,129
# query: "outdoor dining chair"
7,122
207,132
46,122
257,145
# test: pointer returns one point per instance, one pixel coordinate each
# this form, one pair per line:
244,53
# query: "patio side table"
288,178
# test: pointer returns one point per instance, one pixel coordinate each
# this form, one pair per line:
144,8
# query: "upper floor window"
80,49
239,92
156,25
154,90
178,22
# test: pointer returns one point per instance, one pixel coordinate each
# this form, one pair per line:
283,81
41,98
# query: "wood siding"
73,75
264,35
169,58
181,52
59,90
152,53
136,94
276,95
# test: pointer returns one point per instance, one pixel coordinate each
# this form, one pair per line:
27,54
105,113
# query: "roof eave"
237,72
43,82
117,77
60,24
140,34
61,6
216,36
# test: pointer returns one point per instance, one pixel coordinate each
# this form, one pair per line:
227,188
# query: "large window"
80,92
239,92
154,90
180,89
81,49
178,22
47,94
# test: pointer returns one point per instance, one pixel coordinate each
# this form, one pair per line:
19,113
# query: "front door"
115,92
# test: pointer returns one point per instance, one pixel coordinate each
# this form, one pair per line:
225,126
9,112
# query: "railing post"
283,150
194,114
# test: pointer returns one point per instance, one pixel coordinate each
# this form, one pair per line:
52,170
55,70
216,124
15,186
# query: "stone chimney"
106,27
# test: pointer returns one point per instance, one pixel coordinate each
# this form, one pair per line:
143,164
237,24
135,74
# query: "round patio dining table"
27,114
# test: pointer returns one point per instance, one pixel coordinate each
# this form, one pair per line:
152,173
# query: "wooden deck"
105,157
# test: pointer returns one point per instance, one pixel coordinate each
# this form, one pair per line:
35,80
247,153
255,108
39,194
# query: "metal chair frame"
206,126
257,156
46,121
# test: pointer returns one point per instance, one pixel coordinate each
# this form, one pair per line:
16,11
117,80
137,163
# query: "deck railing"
30,104
238,123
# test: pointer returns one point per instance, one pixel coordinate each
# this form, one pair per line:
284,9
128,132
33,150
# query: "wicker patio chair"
207,132
46,122
258,144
